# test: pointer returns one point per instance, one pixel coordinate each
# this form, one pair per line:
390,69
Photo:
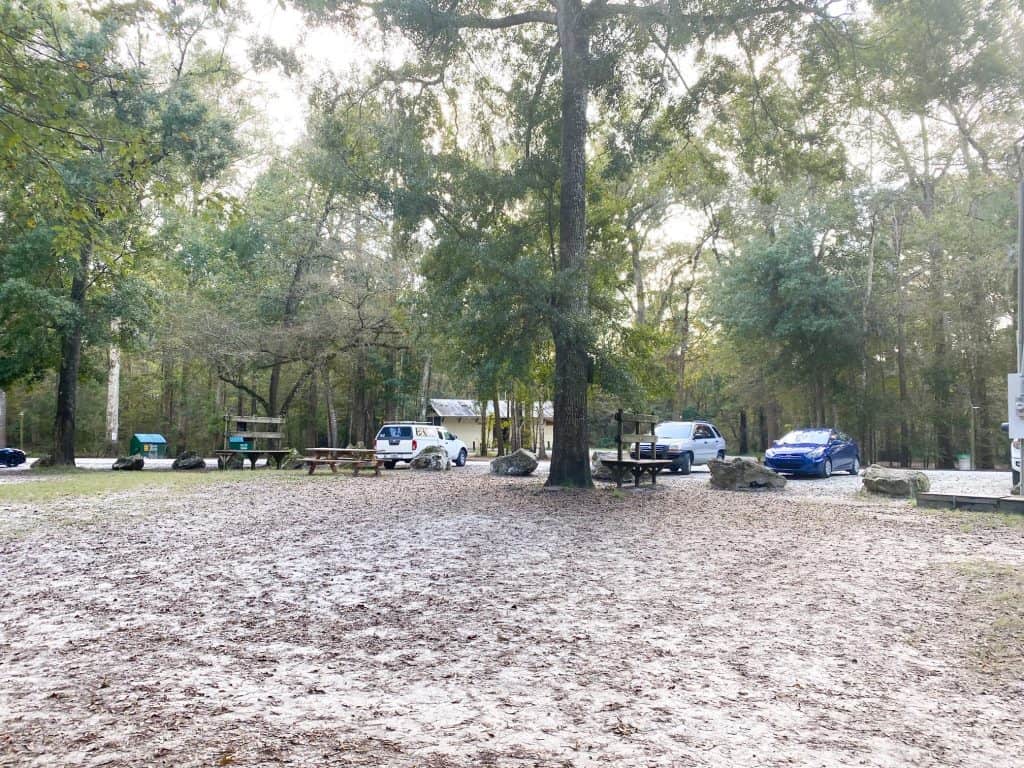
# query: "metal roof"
470,409
149,438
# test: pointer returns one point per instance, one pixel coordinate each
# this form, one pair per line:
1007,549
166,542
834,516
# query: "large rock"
129,463
895,482
743,474
433,457
293,460
518,463
189,460
599,471
46,460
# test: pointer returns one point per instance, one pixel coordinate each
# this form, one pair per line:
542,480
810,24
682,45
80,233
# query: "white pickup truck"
403,440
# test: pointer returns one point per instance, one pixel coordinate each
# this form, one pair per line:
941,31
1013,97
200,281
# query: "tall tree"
596,42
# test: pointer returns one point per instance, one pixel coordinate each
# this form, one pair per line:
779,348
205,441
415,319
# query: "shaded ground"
465,620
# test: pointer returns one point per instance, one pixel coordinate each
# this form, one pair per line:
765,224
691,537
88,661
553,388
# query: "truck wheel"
390,464
684,463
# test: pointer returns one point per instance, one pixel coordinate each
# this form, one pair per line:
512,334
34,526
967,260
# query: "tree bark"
113,395
3,419
570,462
332,413
483,428
70,361
499,433
901,344
744,447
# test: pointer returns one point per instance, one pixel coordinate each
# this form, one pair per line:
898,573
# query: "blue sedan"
11,457
814,451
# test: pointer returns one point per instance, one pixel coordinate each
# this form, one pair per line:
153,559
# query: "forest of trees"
766,214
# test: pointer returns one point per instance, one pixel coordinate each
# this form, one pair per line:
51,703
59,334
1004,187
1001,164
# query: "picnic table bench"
357,458
632,430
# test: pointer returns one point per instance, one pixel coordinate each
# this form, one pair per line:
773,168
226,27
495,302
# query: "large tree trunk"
901,344
3,419
332,412
483,428
570,462
744,446
424,389
499,433
70,361
113,395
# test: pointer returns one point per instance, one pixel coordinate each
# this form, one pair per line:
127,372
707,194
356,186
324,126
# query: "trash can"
963,461
148,446
239,443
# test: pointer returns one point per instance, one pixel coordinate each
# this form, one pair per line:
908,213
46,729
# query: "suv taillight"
414,445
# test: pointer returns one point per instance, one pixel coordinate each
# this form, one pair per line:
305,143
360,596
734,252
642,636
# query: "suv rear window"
394,433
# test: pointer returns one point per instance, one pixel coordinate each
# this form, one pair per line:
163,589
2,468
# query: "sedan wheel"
826,468
855,467
461,461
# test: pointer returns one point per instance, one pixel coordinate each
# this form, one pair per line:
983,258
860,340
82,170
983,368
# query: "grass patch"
1000,588
53,484
968,522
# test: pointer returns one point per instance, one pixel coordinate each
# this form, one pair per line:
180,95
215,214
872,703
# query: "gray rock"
905,483
433,457
599,471
189,460
292,461
742,474
129,463
518,464
46,460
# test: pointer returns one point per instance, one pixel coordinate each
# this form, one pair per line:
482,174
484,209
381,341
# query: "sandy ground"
460,619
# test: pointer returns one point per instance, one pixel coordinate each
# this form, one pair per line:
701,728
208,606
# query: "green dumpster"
149,446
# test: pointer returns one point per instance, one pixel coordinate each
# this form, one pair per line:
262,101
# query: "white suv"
685,442
403,440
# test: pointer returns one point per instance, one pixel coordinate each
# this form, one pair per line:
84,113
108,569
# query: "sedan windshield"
674,429
805,437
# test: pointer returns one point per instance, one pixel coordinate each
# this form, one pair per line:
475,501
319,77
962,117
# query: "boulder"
129,463
292,461
905,483
518,464
599,471
740,474
433,457
189,460
46,460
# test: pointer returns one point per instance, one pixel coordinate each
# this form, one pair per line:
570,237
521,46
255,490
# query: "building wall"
468,430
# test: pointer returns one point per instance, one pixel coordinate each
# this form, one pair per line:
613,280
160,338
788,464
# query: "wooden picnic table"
637,467
357,458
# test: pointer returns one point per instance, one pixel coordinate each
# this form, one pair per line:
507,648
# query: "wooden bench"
632,430
357,458
247,430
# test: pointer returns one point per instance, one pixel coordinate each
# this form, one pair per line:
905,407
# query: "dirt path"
464,620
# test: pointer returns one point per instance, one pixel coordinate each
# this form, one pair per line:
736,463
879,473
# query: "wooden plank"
261,435
936,500
256,419
636,437
1014,504
625,418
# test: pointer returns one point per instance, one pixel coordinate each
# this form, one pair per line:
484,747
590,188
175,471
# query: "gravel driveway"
460,619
